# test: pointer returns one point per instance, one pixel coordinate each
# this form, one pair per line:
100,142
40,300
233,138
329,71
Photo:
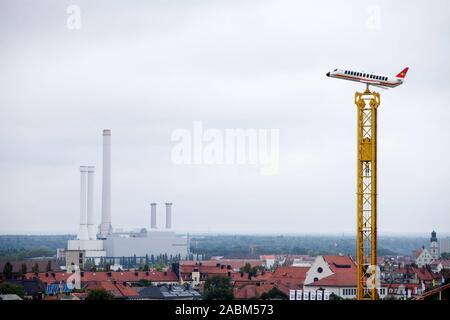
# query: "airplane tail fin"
402,74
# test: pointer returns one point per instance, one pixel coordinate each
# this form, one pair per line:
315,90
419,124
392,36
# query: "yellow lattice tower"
366,256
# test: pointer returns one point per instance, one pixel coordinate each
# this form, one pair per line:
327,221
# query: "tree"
49,266
145,283
146,267
7,270
99,294
218,288
274,294
23,268
35,268
89,265
247,268
334,296
9,288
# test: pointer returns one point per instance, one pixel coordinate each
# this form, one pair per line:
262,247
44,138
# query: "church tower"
434,246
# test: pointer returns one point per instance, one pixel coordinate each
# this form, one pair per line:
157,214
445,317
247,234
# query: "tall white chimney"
83,231
105,227
168,215
90,203
153,216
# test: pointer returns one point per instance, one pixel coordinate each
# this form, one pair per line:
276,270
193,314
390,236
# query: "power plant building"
110,244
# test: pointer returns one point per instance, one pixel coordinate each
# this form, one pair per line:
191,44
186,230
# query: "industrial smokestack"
153,216
90,203
83,231
105,227
168,215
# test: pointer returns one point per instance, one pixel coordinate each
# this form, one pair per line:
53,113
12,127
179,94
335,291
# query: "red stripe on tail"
402,74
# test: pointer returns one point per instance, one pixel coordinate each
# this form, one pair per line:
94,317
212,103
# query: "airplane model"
376,80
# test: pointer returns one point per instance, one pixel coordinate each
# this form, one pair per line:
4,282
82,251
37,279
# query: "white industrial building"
110,244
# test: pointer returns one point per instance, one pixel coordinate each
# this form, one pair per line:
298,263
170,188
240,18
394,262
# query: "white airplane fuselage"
367,78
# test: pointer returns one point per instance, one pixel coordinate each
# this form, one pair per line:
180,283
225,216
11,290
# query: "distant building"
75,258
269,261
423,257
337,274
196,272
156,277
41,264
439,265
444,245
153,242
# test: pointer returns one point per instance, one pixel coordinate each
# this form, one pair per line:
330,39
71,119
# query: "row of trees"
8,269
158,262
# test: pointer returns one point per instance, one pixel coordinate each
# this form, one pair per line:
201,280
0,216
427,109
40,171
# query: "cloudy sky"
146,68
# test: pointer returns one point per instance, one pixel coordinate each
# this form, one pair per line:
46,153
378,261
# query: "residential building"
423,257
337,274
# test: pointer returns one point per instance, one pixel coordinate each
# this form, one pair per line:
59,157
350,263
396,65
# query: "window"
319,270
316,279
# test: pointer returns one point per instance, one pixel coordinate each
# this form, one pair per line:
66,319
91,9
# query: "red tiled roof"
125,276
417,253
344,272
206,269
266,257
423,274
338,279
298,273
234,264
444,262
238,277
252,291
290,277
117,289
42,264
338,263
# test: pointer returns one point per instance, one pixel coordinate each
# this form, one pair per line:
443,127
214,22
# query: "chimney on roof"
153,215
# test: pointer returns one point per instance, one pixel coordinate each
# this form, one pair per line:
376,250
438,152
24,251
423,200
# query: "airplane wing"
378,86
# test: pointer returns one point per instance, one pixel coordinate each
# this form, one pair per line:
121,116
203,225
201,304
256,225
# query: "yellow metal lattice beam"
366,256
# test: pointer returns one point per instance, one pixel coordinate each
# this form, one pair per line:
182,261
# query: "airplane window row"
365,75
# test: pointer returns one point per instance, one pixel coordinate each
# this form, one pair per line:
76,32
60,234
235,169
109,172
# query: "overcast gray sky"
146,68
